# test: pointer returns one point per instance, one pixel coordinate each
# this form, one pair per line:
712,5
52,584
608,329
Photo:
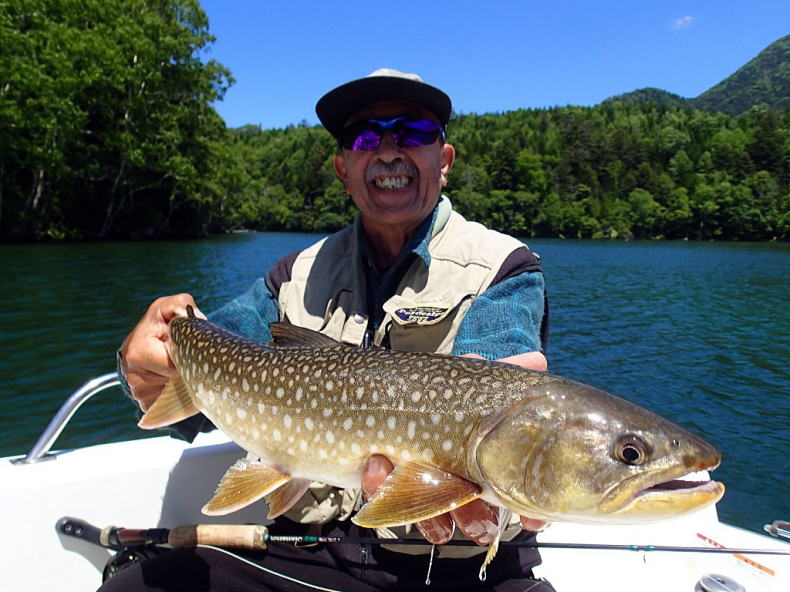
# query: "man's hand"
145,361
478,520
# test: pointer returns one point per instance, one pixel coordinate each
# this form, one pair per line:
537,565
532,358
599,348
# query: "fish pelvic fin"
243,483
283,498
173,405
288,335
415,491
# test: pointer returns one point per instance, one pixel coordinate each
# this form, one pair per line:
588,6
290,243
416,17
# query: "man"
410,274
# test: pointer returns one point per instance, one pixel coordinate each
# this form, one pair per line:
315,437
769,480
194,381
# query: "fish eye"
632,450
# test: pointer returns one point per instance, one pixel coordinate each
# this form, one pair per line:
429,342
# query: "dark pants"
350,568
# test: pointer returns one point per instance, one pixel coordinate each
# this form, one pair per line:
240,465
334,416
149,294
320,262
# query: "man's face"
395,187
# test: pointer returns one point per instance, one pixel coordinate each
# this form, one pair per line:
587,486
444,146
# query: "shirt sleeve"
506,319
249,314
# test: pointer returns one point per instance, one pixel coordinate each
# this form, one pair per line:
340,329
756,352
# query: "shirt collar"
418,243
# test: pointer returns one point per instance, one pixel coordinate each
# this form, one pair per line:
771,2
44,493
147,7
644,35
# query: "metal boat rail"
40,450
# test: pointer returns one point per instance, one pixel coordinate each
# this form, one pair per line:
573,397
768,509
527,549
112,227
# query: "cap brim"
336,106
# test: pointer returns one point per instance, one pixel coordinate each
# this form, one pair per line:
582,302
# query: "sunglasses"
407,132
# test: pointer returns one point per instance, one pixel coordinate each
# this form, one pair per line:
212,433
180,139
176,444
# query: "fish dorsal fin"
415,491
243,483
172,405
283,498
288,335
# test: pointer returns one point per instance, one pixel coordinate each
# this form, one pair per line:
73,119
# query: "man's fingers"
478,520
376,470
533,524
533,360
169,307
437,530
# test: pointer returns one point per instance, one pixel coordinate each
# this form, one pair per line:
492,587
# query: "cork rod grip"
237,536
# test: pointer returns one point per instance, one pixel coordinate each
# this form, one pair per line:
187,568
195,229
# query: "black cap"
385,84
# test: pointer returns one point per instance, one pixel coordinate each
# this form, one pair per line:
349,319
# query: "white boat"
163,482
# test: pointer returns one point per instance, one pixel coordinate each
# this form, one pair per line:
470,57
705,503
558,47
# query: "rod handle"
236,536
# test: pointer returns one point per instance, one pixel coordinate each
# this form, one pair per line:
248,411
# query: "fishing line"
267,570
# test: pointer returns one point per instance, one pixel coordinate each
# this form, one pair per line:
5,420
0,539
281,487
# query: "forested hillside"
108,132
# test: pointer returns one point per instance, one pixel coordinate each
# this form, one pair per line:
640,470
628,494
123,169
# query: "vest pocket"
422,325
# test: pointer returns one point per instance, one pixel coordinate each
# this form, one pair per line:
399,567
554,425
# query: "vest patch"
421,315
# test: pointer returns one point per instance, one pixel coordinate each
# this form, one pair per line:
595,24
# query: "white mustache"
390,169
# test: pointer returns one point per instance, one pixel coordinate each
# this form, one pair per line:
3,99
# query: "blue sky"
488,56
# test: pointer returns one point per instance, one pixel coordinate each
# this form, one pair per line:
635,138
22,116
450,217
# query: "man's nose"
388,148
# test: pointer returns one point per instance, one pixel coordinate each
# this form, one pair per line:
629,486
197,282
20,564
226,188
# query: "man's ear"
447,160
340,167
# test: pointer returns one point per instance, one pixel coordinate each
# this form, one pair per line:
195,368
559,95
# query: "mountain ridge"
763,80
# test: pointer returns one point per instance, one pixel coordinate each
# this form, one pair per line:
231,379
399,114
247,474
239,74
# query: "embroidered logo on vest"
421,315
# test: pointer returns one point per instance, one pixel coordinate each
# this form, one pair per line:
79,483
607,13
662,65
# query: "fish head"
570,452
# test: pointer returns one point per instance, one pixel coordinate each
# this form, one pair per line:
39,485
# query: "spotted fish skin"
299,407
534,443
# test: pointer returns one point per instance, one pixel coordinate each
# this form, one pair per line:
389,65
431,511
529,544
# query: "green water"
699,333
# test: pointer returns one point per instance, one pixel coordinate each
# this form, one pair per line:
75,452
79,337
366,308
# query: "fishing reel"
128,556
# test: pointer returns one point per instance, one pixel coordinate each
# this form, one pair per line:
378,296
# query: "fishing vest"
323,288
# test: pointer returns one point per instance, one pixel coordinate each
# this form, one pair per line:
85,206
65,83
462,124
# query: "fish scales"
343,403
456,429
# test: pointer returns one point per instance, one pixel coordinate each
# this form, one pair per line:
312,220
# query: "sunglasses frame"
384,125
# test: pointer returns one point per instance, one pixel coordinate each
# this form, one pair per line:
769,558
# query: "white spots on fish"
390,449
232,366
360,433
303,445
380,434
228,419
308,423
391,422
330,437
347,423
448,394
299,393
241,413
287,421
267,390
458,416
426,435
447,445
435,418
280,392
391,391
360,392
427,453
355,448
313,403
415,396
370,421
205,368
410,429
276,435
245,386
327,412
217,373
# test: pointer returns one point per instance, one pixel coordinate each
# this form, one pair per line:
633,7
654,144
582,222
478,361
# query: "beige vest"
327,293
327,290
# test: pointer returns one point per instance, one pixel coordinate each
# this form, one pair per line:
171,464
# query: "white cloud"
683,22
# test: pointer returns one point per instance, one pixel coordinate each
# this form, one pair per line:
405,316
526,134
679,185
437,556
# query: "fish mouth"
663,494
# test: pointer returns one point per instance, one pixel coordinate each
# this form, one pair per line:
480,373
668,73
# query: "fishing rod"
256,537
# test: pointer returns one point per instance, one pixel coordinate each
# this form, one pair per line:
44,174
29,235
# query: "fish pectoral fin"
173,405
415,491
283,498
242,484
287,335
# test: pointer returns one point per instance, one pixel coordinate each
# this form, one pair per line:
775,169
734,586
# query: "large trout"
456,429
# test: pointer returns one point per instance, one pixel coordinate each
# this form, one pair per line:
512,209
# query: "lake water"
699,333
